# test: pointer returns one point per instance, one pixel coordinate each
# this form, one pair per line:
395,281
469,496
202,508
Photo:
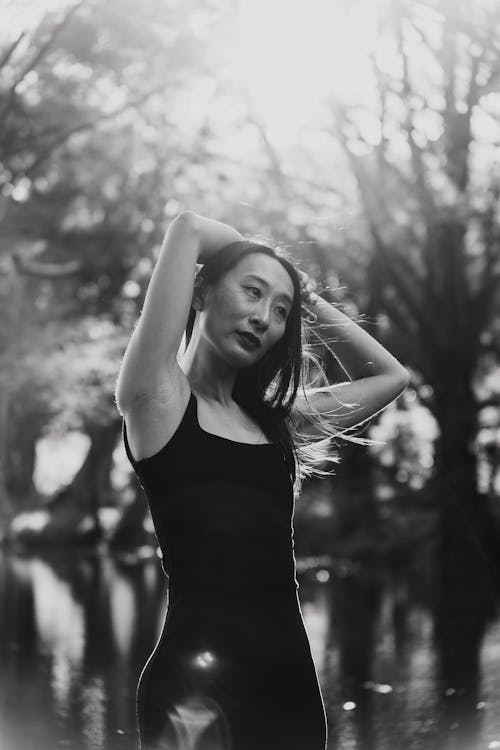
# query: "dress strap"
189,417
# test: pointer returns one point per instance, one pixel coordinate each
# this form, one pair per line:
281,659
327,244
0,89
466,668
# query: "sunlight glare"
295,58
25,15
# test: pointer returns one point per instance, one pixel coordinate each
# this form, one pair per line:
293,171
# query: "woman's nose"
260,318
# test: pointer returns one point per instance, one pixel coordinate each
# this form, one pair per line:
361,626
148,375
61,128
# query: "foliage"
115,116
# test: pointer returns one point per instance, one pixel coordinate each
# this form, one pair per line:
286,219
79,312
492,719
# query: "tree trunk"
465,602
461,504
456,461
5,502
91,485
11,334
355,518
130,532
87,492
24,432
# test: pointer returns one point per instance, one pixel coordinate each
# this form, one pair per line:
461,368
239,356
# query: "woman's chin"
239,357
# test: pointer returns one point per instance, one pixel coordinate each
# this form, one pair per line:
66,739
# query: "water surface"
76,631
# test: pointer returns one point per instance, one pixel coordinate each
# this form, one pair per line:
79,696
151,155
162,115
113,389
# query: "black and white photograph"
250,374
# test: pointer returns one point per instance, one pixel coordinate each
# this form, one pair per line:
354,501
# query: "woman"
213,420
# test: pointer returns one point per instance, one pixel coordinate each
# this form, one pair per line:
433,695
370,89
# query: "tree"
72,103
433,228
431,207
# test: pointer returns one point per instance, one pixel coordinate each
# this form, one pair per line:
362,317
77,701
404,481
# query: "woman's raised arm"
376,376
150,357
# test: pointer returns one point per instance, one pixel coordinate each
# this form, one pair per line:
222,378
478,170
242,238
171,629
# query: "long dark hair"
267,389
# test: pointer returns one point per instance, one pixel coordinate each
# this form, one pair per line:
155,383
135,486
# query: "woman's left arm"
376,377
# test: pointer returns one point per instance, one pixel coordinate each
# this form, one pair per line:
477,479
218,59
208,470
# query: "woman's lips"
250,342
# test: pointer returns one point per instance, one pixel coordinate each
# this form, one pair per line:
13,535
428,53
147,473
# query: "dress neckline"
221,437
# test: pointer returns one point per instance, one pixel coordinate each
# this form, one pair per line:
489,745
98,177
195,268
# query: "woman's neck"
210,377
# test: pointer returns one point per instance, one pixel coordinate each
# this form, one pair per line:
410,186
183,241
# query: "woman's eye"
254,289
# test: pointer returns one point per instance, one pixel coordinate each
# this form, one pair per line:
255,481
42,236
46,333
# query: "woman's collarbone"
229,422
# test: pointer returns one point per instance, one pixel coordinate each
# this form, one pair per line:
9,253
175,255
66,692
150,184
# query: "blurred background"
365,137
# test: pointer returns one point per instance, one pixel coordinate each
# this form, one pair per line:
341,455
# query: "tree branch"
398,277
481,303
42,51
46,270
10,50
423,192
88,125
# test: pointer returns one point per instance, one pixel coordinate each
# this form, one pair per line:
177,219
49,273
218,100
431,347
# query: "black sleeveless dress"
232,669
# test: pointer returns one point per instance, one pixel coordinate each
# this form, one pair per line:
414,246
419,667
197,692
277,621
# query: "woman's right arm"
150,358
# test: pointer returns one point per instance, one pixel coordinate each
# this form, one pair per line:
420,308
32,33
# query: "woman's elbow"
402,379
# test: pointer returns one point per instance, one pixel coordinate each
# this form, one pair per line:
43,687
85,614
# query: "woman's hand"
307,296
307,287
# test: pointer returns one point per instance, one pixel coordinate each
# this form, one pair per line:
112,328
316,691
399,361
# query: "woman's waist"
244,623
217,562
234,588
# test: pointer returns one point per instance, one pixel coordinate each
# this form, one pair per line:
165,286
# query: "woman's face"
244,314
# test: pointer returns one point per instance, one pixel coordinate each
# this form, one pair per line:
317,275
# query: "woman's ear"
199,292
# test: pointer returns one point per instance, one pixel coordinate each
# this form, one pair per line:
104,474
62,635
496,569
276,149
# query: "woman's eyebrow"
262,281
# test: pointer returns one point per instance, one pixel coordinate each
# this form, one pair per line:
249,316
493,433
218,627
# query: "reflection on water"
397,669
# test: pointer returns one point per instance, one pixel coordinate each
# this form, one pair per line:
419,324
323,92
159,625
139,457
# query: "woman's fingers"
307,287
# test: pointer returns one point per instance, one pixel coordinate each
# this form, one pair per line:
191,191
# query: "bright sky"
19,15
293,59
290,56
297,56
